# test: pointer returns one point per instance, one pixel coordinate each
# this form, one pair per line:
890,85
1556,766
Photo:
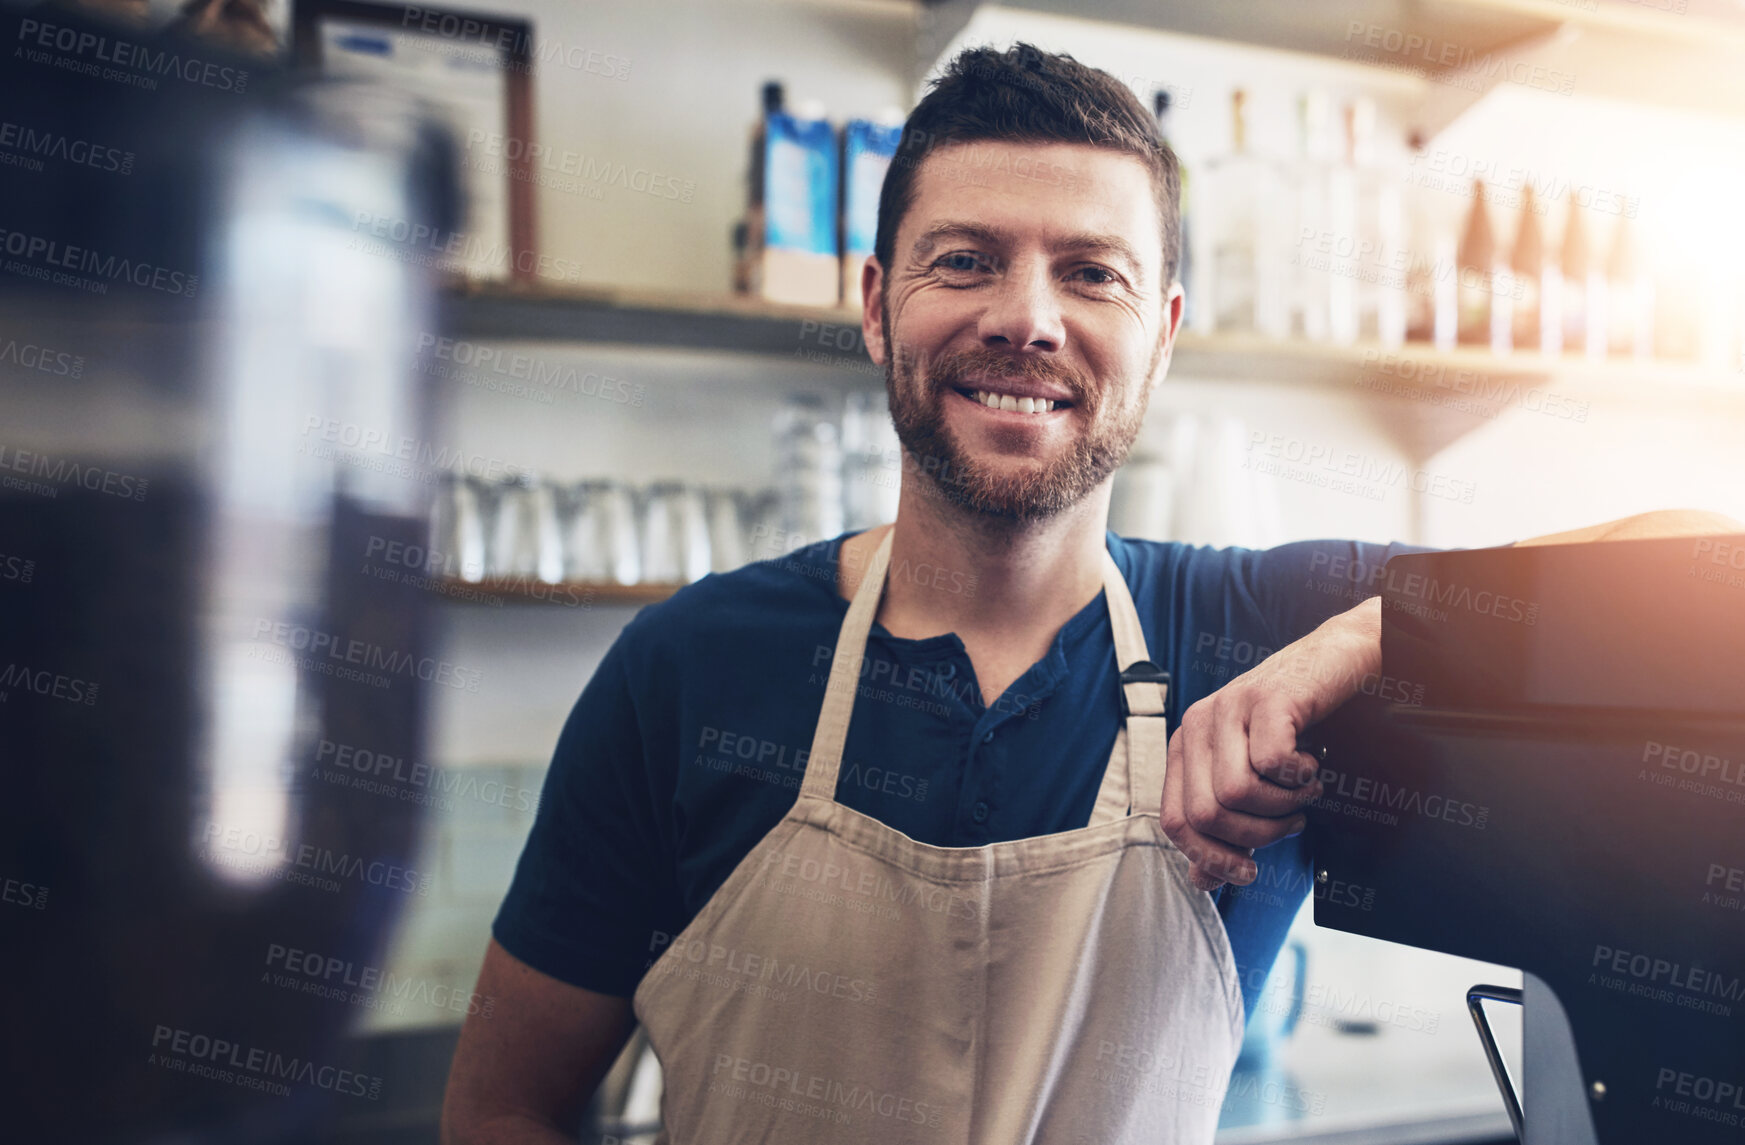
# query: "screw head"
1598,1090
1321,876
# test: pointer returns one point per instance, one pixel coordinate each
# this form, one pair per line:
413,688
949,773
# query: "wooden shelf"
719,322
570,594
1247,358
1429,398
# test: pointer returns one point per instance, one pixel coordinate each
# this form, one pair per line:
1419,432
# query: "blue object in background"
800,176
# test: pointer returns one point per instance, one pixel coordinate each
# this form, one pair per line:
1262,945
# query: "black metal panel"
1599,847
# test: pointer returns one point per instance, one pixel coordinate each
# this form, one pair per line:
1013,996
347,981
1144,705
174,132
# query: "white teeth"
1008,402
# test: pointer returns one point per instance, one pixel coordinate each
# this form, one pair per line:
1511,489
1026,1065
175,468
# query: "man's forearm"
1335,661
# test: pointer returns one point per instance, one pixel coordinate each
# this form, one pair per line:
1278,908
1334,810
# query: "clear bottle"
1551,304
1367,202
1476,262
1527,262
1417,264
1630,297
1184,271
1320,245
1583,290
1243,277
1351,258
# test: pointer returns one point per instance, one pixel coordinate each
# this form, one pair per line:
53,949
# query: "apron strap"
1141,745
1133,782
825,759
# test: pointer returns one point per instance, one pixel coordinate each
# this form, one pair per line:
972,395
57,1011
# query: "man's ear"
872,308
1174,304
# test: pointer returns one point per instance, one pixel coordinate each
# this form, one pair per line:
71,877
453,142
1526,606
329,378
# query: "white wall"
686,107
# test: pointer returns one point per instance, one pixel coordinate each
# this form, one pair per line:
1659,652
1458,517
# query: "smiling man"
877,856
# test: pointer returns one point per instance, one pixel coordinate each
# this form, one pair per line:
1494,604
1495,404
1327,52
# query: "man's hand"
1236,781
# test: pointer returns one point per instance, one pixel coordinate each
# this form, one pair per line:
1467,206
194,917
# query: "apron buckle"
1141,672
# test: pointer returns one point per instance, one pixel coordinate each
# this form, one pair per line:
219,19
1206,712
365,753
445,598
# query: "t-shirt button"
981,811
947,671
988,738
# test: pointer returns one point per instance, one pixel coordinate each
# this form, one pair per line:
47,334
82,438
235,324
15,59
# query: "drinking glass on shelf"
760,511
696,550
583,546
870,461
726,529
487,497
457,530
545,518
503,527
525,541
675,534
808,470
600,542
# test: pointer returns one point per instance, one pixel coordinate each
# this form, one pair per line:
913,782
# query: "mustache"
954,370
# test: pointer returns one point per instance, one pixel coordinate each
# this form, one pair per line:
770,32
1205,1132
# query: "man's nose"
1023,311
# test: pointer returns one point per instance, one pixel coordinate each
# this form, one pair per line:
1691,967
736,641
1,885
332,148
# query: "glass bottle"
1372,201
1475,260
1184,271
1527,261
1584,291
1320,245
1244,276
1630,297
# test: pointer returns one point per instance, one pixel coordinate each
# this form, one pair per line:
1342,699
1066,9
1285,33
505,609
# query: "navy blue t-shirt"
690,742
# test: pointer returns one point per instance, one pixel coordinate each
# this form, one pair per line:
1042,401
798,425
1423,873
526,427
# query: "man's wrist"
1352,641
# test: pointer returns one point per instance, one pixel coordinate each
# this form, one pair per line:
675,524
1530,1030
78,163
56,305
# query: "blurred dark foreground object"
1563,790
183,290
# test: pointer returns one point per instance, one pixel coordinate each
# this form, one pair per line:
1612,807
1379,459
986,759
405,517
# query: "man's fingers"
1217,865
1272,745
1208,760
1237,788
1210,861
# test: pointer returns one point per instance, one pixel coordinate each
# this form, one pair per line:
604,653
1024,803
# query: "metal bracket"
1475,1000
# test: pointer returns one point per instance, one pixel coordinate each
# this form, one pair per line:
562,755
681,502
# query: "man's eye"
962,260
1097,275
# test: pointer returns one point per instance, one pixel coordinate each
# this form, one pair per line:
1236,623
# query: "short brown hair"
1026,95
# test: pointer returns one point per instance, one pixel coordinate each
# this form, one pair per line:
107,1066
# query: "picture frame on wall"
475,73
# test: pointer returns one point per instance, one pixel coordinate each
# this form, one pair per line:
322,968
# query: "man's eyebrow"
1110,246
949,231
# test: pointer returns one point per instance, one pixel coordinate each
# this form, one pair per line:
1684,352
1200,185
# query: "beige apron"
849,984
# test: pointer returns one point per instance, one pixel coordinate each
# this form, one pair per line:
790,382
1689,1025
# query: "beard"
918,390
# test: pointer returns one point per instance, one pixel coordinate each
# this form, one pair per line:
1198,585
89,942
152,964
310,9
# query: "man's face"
1022,271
